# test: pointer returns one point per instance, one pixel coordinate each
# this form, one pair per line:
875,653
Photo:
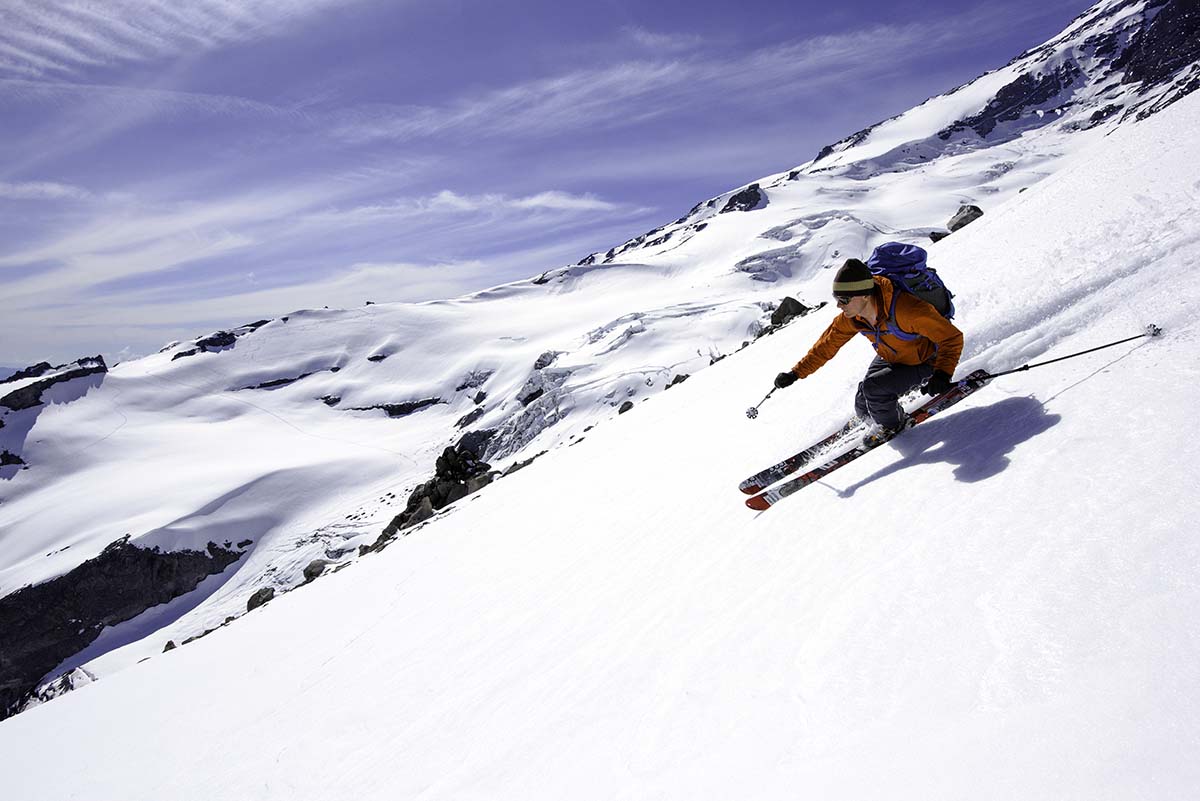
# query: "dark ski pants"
883,385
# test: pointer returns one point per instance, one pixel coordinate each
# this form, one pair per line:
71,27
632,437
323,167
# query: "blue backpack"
905,266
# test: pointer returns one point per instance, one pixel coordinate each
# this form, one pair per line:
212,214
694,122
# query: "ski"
781,470
962,389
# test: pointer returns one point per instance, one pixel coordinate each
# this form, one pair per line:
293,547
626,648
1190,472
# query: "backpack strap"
893,326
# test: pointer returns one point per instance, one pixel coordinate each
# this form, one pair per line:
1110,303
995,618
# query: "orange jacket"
939,342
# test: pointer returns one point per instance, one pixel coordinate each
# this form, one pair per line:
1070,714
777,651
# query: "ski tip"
751,489
758,503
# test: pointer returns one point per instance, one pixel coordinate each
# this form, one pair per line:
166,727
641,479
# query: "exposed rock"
7,458
314,569
377,357
330,400
748,199
469,417
43,624
1018,99
474,379
41,368
31,395
278,382
476,442
532,396
221,339
458,473
938,236
480,397
626,406
71,680
789,308
678,379
401,409
170,646
965,215
259,598
546,359
1169,43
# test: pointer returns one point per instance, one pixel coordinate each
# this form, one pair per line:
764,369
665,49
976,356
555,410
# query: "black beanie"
854,278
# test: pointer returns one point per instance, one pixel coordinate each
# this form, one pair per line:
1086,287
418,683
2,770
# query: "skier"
914,345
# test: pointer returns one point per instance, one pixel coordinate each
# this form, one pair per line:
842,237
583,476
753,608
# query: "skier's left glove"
785,380
939,382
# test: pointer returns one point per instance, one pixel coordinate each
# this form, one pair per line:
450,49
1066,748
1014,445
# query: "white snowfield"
1001,604
272,446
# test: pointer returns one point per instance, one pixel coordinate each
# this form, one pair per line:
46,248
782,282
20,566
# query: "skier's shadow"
977,440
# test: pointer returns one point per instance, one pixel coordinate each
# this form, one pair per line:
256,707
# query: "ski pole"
752,412
1151,331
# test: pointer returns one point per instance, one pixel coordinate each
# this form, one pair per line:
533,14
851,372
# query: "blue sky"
168,172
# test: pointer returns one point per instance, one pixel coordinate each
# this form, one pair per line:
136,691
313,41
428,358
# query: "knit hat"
854,278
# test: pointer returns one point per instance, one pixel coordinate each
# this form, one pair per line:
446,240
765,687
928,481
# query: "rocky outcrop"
1168,44
41,368
279,382
469,417
259,598
458,473
965,215
1018,99
44,624
474,380
546,359
30,395
71,680
1159,56
400,409
749,199
314,569
789,308
221,340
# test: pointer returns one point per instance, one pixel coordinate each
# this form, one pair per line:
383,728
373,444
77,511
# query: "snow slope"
300,438
1001,604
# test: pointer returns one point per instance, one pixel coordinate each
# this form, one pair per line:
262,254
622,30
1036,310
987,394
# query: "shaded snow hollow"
999,605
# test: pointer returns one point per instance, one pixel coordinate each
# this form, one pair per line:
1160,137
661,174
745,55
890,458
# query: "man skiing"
915,344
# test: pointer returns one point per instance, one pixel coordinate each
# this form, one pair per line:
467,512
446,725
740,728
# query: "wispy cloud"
135,243
62,37
553,200
632,92
42,190
450,203
661,42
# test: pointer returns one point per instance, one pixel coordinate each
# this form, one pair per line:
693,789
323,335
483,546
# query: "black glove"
939,382
785,380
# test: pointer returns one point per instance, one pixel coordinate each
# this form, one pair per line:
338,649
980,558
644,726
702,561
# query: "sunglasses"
842,300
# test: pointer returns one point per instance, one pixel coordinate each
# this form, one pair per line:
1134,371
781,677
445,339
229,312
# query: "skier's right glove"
939,382
785,380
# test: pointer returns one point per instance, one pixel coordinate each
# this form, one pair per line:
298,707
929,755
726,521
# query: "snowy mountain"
611,620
